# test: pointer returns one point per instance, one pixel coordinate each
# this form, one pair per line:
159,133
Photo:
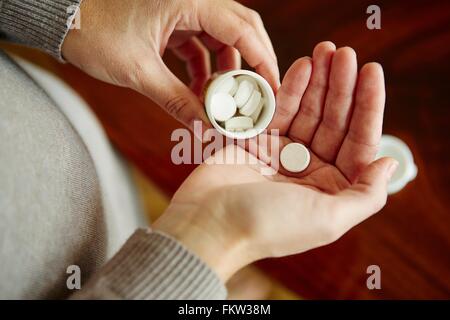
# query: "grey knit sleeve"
42,24
153,265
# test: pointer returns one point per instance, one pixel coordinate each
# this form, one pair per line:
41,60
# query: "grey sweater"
52,214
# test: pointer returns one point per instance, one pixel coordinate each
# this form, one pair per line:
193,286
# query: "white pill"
228,85
255,115
241,78
223,106
243,93
295,157
252,104
239,124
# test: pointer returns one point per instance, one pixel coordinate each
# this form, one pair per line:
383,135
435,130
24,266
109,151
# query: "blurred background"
410,239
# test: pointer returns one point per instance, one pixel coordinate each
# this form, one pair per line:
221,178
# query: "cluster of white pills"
295,157
237,103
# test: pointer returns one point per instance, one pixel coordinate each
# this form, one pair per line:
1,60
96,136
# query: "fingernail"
391,170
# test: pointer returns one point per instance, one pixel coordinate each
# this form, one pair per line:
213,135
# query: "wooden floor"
410,239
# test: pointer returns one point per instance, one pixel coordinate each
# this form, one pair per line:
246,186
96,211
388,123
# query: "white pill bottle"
267,111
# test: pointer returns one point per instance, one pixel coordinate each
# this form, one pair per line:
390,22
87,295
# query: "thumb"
159,84
368,194
377,174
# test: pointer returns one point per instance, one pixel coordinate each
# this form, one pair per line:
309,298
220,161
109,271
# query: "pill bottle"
267,112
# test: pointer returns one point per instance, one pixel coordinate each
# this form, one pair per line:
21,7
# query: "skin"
138,32
230,215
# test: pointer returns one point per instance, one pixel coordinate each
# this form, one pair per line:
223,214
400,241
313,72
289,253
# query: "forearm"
153,265
42,24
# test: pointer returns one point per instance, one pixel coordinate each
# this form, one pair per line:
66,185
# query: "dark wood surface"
410,238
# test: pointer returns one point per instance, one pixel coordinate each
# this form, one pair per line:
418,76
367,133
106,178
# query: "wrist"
206,236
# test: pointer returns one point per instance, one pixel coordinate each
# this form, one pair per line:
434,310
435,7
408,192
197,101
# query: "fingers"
291,93
305,123
197,58
365,197
255,19
361,142
157,82
338,103
227,58
225,25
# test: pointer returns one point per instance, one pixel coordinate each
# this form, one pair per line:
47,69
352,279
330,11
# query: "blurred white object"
393,147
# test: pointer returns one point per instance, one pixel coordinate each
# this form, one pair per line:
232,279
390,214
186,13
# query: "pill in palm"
239,124
228,85
223,106
252,104
295,157
243,93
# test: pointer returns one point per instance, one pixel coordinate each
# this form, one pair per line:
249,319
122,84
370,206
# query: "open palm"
324,104
337,113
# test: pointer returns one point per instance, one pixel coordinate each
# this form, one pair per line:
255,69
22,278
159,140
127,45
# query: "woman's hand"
231,215
122,42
